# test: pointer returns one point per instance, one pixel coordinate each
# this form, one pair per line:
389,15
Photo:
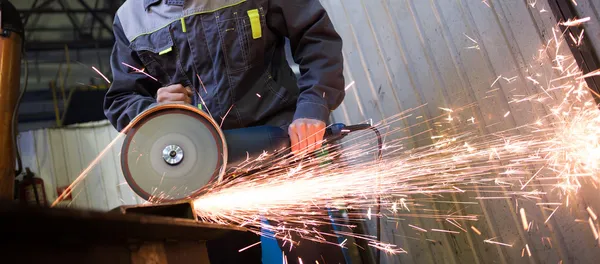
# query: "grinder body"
174,152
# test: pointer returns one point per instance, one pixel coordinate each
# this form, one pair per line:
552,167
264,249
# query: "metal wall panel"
59,156
427,54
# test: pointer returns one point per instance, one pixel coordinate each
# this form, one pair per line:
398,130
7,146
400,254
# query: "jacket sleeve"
317,49
129,93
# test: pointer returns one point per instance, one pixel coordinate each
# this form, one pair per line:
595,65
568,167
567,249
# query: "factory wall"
399,55
58,156
431,54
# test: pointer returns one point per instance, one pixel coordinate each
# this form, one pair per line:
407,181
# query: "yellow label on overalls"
183,28
255,23
166,51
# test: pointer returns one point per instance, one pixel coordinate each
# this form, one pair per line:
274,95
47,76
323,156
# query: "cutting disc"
171,152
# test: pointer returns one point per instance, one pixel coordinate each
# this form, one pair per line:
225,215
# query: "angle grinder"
173,151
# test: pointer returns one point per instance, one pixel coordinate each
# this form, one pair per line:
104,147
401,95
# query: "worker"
228,58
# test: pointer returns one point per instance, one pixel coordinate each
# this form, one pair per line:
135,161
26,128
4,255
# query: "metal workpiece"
135,234
175,210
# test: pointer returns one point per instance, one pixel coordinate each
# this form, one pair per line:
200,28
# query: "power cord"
339,131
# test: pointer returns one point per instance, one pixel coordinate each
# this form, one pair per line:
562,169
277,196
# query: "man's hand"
306,135
174,94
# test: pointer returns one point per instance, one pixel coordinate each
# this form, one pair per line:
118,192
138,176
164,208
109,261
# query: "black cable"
14,119
352,128
379,157
379,143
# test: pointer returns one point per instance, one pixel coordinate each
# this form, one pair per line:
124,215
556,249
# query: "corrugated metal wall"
400,55
58,156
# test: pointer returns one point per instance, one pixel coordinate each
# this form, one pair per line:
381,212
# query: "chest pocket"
240,44
159,54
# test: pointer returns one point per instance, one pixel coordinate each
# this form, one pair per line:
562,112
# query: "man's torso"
223,49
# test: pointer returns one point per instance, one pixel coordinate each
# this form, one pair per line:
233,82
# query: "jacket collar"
148,3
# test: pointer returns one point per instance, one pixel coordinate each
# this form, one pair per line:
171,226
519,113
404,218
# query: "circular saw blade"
171,152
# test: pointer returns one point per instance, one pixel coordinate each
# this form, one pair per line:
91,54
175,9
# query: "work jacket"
231,53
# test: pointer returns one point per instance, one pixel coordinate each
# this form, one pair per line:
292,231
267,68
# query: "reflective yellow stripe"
255,23
165,51
193,14
183,25
200,106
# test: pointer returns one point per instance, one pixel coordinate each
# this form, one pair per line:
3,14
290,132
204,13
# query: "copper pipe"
10,71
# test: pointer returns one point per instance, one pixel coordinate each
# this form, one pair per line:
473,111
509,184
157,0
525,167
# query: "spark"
507,113
575,22
580,38
593,227
470,38
255,244
590,74
533,80
532,177
258,95
343,243
446,109
476,46
458,189
101,74
476,230
498,78
524,219
493,198
445,231
510,80
205,105
139,70
348,86
551,215
496,242
528,251
201,83
418,228
454,223
592,214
